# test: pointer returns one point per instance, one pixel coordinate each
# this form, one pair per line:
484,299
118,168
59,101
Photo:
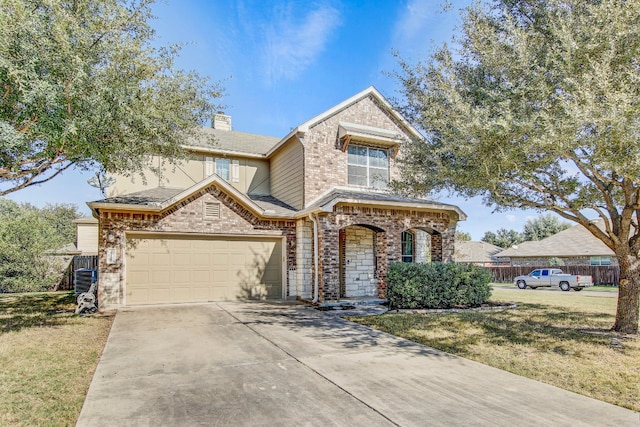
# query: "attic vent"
211,210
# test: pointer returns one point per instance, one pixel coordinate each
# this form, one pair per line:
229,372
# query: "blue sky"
283,62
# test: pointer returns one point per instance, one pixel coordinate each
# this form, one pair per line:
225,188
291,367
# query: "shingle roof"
391,199
157,196
228,140
572,242
470,251
151,197
271,204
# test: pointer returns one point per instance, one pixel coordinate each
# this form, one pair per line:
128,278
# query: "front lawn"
559,338
48,356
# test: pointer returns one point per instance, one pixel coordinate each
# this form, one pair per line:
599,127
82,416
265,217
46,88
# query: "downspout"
315,258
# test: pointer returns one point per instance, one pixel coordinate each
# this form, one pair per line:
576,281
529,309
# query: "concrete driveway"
252,364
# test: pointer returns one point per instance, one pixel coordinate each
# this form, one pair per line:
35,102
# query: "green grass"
48,356
559,338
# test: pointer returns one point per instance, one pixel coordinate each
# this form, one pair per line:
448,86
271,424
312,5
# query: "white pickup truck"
553,277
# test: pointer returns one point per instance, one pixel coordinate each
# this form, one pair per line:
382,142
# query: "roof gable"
160,199
331,112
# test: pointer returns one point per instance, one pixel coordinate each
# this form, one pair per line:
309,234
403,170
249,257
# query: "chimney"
221,121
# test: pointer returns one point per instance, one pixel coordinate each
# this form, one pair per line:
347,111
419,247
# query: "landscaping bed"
551,337
48,356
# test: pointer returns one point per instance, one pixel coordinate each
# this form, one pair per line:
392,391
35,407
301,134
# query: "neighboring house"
573,246
87,235
478,253
305,216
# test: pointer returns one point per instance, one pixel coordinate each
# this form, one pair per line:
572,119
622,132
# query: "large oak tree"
536,104
81,83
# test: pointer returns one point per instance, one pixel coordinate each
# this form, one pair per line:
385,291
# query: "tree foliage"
536,106
82,84
543,227
28,238
462,236
503,238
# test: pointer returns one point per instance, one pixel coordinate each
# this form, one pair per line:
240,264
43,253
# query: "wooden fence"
78,262
602,275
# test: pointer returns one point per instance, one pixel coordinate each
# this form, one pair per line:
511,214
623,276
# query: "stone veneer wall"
423,246
185,217
304,259
359,259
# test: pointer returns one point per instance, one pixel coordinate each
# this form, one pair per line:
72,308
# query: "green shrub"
437,285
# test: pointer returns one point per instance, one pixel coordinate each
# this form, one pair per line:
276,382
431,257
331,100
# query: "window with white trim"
223,168
600,260
367,166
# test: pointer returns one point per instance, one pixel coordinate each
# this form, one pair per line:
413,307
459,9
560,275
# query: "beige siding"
287,174
253,175
183,175
87,238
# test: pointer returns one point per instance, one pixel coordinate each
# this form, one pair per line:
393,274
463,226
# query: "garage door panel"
200,258
179,269
159,294
201,276
159,277
181,259
158,259
219,261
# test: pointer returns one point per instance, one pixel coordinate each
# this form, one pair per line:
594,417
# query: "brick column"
436,248
329,263
382,263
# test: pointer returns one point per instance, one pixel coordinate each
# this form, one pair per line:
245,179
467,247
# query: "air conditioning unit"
83,278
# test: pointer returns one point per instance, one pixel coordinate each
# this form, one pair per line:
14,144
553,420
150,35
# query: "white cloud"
511,218
293,42
414,19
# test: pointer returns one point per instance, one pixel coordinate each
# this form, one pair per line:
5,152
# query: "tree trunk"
628,302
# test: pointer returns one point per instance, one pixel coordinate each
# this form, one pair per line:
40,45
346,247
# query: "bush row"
437,285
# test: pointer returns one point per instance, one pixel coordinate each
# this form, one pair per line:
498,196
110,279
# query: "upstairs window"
229,170
223,168
368,166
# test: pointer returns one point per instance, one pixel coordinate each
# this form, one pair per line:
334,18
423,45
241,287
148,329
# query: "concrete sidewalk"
287,364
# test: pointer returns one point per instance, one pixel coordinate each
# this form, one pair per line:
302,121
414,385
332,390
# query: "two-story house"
305,216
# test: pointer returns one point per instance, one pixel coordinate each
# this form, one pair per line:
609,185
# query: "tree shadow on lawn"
534,325
29,310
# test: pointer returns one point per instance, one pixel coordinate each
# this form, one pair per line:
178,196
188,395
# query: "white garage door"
170,269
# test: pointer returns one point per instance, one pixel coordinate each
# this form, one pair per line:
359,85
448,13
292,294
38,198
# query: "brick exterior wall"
388,225
185,217
325,163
